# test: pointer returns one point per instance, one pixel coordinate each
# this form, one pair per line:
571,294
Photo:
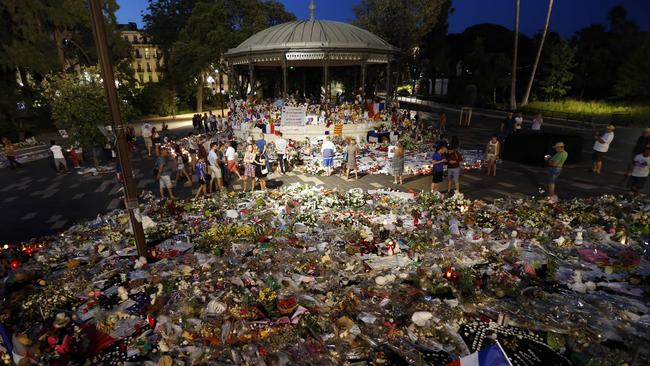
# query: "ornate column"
388,94
326,77
251,74
363,79
284,76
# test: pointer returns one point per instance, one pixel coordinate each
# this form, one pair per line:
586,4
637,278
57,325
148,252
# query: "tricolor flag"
489,356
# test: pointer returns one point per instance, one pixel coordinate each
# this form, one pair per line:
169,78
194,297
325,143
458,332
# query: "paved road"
35,201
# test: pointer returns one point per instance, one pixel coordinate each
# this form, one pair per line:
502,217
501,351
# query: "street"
36,201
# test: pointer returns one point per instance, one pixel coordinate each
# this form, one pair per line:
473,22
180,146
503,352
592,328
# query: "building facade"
147,58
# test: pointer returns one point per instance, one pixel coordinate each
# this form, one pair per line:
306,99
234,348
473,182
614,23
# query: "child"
640,171
438,161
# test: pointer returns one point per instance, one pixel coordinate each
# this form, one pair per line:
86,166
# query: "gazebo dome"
310,40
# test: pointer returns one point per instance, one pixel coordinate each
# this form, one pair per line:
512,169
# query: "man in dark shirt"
641,143
508,125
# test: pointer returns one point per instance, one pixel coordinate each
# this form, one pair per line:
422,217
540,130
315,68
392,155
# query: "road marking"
102,187
28,216
507,185
74,185
584,186
115,190
42,180
144,182
376,185
471,177
78,196
9,199
54,218
59,224
114,203
236,186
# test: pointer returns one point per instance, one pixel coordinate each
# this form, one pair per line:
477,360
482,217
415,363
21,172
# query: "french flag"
489,356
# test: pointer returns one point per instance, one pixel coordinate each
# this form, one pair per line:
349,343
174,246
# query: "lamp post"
101,43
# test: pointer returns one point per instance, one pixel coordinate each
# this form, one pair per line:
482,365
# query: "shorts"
202,182
165,181
328,162
216,172
597,156
147,141
453,174
490,159
553,174
232,166
436,177
637,182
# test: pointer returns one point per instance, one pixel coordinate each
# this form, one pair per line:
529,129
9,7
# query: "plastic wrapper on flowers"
304,275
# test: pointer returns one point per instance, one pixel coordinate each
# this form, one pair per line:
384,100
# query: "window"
148,67
149,78
146,53
140,78
137,54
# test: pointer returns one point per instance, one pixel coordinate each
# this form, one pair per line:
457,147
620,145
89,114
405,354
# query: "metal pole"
284,76
101,43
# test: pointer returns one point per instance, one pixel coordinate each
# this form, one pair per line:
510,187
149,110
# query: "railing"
619,119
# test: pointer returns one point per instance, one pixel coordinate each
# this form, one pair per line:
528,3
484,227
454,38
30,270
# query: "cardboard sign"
64,134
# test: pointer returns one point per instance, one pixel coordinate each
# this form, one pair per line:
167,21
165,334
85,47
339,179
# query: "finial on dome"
312,7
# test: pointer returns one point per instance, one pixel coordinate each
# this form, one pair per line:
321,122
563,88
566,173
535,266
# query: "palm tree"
513,97
524,101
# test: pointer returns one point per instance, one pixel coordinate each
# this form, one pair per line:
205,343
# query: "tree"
156,99
595,61
78,104
203,40
401,23
513,84
555,69
524,101
164,21
634,75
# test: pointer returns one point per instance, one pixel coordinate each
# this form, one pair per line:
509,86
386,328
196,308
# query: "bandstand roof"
308,41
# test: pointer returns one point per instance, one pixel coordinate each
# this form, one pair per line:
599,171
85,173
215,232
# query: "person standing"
454,161
537,123
146,136
200,168
249,167
215,170
438,162
641,143
231,160
155,137
163,174
180,167
640,171
213,121
519,122
555,164
351,165
601,146
261,170
281,151
59,159
443,122
10,152
398,163
261,146
507,125
203,120
327,150
492,151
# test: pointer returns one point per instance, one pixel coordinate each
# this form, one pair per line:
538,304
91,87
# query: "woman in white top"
601,146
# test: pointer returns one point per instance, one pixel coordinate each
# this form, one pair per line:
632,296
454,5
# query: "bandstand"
311,44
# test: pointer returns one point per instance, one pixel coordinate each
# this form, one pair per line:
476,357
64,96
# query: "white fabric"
58,153
327,145
281,146
641,166
604,147
537,124
146,130
230,153
470,360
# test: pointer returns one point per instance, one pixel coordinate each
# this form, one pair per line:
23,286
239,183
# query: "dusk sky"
568,15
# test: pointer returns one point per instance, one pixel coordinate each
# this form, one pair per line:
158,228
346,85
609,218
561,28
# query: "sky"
568,15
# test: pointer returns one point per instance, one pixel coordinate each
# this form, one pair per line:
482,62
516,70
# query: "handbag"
265,171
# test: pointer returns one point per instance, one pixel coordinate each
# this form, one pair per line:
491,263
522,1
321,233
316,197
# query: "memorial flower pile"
304,275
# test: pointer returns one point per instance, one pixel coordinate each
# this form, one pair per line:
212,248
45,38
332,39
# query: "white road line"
114,203
29,216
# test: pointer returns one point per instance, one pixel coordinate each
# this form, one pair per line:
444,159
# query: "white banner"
293,118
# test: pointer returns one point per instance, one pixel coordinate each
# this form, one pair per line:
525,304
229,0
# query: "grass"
597,111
